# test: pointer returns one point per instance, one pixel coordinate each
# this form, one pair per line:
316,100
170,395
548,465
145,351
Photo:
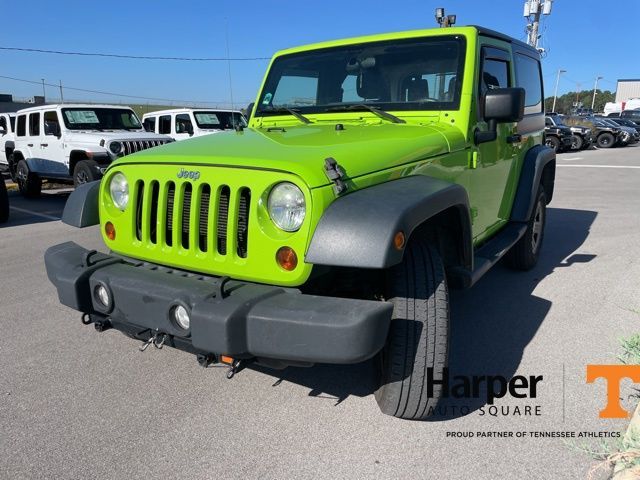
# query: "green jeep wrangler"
375,173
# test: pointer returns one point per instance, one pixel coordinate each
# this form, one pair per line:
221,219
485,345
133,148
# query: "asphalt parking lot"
78,404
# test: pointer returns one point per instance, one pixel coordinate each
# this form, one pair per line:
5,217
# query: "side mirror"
249,111
190,129
501,105
3,130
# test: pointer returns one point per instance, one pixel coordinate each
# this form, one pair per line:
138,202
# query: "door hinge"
473,161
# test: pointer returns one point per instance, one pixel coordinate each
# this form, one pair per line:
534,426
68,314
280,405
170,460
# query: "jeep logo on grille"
189,174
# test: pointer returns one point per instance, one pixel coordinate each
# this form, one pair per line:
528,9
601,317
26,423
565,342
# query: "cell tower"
533,10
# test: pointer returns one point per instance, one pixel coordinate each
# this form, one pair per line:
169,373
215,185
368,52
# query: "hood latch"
335,173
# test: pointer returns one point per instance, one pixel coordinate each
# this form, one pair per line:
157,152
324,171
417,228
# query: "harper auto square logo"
189,174
613,374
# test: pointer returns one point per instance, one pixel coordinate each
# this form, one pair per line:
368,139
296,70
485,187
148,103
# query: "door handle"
29,144
515,138
44,144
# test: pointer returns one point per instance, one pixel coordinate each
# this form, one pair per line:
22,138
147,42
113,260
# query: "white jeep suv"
73,142
7,125
184,123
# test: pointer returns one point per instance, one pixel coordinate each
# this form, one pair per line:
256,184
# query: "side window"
12,121
34,124
495,74
51,123
149,124
22,126
164,124
183,123
529,77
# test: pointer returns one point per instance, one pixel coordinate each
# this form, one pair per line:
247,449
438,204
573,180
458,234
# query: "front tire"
418,336
605,140
525,253
553,143
29,183
576,142
86,171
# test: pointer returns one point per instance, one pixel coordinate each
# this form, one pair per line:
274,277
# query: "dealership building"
627,89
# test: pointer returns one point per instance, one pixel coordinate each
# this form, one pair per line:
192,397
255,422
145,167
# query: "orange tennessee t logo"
613,374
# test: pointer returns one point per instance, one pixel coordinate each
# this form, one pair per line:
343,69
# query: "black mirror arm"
487,136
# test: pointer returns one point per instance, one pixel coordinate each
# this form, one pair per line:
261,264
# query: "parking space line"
35,214
600,166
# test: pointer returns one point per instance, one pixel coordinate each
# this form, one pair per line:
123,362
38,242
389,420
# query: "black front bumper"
238,319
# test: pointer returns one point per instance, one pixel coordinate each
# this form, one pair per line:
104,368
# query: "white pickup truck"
73,142
184,123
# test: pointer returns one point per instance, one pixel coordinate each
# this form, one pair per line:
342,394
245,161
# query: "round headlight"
115,147
119,189
287,206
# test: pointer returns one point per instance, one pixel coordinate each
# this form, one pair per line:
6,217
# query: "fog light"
287,258
103,296
181,317
110,231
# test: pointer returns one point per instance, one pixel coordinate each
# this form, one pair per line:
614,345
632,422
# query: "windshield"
219,120
100,119
415,74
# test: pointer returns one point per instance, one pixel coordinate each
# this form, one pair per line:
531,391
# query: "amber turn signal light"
110,231
398,240
287,258
226,359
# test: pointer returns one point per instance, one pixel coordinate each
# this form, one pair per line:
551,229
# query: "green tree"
564,103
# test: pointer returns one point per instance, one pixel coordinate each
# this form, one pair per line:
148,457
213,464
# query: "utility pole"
555,93
595,88
226,30
61,95
533,10
44,93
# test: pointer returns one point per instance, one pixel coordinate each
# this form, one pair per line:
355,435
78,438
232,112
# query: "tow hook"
236,366
157,339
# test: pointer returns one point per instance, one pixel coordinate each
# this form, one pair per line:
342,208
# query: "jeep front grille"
195,217
133,146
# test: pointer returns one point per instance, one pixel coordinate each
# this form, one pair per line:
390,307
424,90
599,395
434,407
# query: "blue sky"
575,36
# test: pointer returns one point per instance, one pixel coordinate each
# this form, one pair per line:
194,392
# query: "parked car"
633,115
7,126
557,137
76,143
581,137
4,201
184,123
625,122
629,134
329,230
604,135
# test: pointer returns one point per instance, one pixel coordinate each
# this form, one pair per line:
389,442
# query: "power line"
135,57
123,95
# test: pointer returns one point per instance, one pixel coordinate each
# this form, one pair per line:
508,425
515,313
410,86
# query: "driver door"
495,159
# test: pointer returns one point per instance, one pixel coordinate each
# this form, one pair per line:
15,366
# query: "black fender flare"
81,209
535,161
358,229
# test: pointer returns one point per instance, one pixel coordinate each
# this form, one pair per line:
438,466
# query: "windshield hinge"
335,173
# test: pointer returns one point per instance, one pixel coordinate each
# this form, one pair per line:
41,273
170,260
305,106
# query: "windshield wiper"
290,111
372,109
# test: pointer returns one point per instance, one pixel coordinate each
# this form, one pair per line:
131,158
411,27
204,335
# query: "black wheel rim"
81,177
538,223
21,176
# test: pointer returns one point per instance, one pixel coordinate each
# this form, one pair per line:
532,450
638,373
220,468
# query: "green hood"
301,150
